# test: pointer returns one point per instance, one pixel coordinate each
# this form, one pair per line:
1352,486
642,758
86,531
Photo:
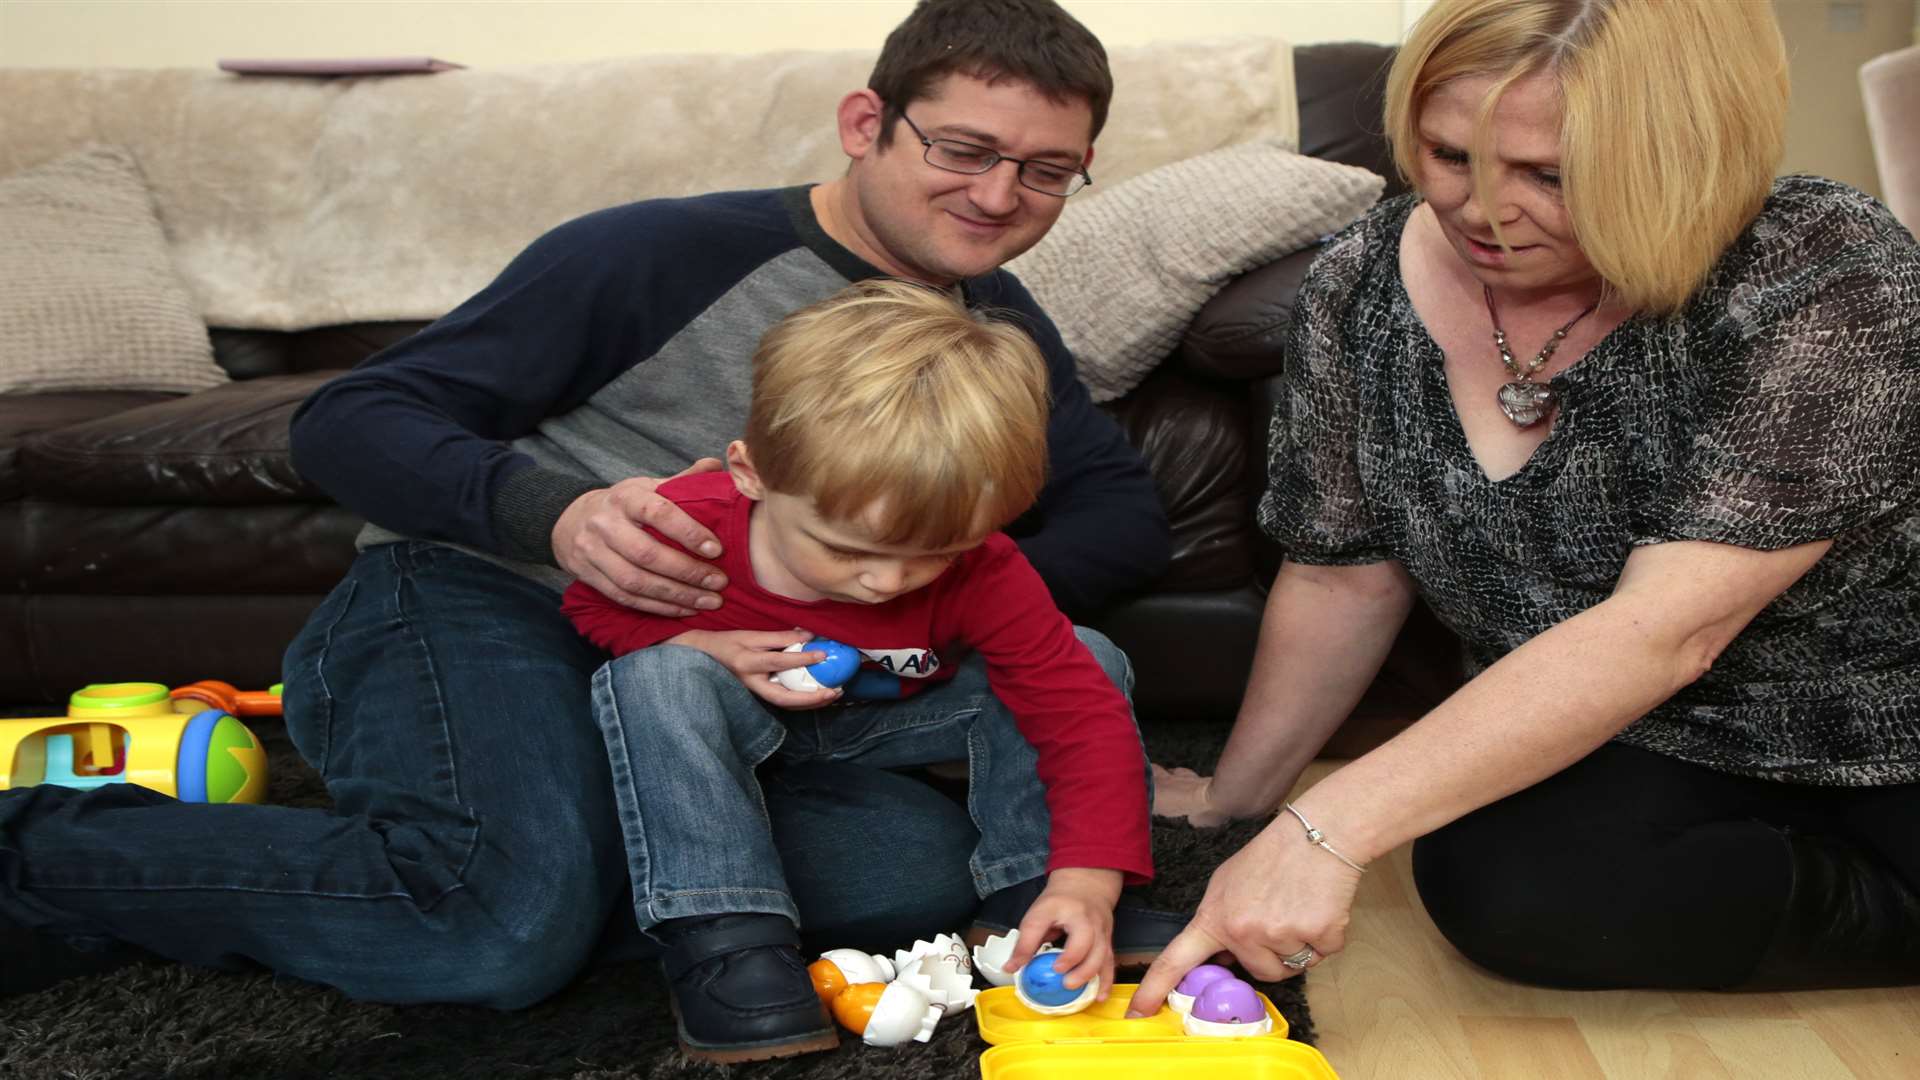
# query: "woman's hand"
1274,897
754,655
600,538
1184,793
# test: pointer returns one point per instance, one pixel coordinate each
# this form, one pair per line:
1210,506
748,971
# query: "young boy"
892,432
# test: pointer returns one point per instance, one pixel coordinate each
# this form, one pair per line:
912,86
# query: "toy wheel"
220,761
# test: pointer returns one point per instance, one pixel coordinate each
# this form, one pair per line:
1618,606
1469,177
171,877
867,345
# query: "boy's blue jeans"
474,852
685,736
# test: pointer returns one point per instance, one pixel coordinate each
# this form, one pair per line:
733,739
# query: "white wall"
1827,41
194,33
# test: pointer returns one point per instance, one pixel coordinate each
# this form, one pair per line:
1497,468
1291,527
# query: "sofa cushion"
89,297
1123,271
22,415
291,549
60,643
225,446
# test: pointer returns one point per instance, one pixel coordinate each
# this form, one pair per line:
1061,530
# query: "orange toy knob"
854,1006
827,978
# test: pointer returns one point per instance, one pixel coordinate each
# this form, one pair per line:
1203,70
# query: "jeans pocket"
308,701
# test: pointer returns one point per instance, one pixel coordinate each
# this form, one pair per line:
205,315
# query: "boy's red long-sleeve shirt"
990,601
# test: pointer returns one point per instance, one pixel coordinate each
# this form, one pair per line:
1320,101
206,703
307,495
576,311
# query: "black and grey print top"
1781,406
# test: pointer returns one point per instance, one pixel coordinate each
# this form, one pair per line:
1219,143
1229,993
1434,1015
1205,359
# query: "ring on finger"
1302,960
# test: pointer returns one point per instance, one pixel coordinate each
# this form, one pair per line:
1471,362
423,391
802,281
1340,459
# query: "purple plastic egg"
1202,977
1229,1001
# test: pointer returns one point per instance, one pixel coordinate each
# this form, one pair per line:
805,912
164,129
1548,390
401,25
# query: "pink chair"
1890,85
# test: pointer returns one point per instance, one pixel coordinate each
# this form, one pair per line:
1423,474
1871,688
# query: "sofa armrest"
1192,435
1241,333
223,446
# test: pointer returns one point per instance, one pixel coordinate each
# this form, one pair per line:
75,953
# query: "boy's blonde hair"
892,400
1673,113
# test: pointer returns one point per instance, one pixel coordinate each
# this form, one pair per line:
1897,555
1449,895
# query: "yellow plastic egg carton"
1029,1046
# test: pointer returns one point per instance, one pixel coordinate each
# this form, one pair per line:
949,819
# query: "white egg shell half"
1193,1025
995,951
903,1014
799,678
1179,1002
860,967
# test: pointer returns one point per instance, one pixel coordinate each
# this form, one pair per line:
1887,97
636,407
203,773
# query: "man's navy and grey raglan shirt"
620,344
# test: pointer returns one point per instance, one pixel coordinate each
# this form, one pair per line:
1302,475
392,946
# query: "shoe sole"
977,936
741,1053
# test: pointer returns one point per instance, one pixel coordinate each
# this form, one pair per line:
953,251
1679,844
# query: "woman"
1639,423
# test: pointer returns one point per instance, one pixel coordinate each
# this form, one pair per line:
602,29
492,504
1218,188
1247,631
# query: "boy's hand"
1078,900
754,655
1185,793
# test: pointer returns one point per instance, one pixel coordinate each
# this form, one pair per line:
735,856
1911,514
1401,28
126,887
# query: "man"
475,853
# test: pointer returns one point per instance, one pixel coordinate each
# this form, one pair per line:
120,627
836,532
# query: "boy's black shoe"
740,989
1139,932
30,960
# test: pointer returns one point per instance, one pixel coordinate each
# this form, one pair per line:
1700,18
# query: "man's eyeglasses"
1044,177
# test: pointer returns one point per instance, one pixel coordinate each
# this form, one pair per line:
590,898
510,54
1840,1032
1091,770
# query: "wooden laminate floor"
1401,1003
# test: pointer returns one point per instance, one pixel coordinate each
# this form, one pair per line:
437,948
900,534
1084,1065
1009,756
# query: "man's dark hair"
1032,41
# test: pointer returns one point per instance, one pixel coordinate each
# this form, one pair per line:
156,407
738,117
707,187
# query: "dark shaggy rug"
162,1020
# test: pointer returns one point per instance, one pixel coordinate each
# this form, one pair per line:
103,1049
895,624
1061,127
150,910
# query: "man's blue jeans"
474,852
685,736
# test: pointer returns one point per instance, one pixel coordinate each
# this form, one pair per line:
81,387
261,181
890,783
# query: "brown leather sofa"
149,536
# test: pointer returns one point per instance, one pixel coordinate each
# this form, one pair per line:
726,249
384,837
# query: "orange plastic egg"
854,1006
828,980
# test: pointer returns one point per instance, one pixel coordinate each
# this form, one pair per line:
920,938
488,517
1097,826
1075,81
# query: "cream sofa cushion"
89,297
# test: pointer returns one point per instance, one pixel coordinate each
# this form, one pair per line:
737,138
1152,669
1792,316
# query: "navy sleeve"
416,438
1098,529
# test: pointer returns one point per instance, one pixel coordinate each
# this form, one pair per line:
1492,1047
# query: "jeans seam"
400,894
324,722
966,714
404,624
620,763
742,891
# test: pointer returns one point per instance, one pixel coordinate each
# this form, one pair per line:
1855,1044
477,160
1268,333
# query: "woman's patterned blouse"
1780,406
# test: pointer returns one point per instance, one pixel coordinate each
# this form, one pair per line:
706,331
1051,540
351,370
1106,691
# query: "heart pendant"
1527,403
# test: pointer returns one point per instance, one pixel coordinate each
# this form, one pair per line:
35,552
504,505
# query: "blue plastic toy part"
839,666
870,684
190,774
1044,985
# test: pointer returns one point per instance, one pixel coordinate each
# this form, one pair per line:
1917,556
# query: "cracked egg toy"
1227,1008
1044,990
840,665
838,969
886,1014
989,957
940,969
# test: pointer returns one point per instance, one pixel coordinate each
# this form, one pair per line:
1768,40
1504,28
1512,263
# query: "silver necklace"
1524,401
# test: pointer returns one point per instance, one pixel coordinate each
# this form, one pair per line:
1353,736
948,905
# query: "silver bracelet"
1319,839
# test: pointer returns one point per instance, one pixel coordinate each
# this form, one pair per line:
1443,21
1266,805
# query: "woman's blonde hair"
895,398
1672,118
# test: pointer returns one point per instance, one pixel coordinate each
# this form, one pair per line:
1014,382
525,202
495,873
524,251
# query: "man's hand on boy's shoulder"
754,655
602,539
1079,901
